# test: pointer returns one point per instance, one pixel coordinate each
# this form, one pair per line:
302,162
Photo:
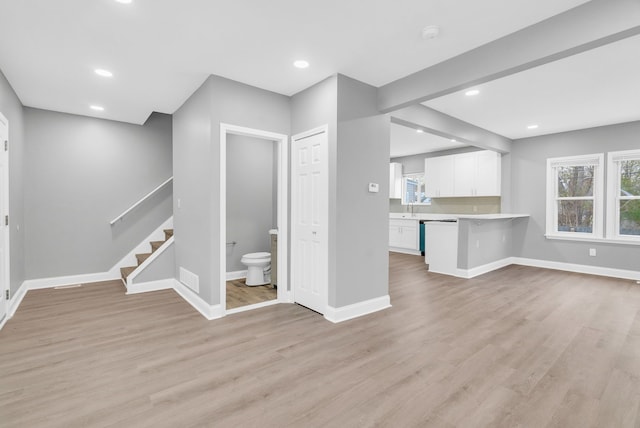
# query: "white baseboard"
344,313
13,304
405,251
143,246
254,306
37,284
145,287
571,267
210,312
239,274
480,270
132,276
16,299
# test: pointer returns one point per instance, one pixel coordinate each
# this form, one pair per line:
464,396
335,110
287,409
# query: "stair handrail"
144,198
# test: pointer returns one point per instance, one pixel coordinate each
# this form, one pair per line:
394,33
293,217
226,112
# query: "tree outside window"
575,196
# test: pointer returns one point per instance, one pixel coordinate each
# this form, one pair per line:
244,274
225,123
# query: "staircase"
126,271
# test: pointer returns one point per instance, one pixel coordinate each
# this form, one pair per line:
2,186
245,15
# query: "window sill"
592,239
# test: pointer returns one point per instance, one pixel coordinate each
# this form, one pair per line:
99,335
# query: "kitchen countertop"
440,217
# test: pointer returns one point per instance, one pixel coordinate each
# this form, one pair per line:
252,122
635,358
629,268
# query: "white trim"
344,313
405,251
571,267
144,198
13,304
16,300
613,195
597,161
38,284
323,129
145,287
210,312
111,274
486,268
596,240
143,246
148,261
4,193
283,200
254,306
239,274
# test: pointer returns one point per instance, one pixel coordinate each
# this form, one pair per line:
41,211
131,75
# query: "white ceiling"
407,141
594,88
160,51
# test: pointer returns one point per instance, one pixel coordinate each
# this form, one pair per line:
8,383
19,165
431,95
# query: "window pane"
575,216
630,178
411,189
630,217
575,181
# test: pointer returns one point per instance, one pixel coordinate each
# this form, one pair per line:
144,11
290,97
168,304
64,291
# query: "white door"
4,230
309,206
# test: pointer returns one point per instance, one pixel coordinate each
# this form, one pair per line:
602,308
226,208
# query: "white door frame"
321,129
282,142
5,281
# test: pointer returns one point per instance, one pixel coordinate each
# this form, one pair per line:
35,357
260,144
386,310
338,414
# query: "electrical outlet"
592,252
475,208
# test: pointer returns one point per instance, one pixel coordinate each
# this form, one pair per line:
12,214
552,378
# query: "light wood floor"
239,294
516,347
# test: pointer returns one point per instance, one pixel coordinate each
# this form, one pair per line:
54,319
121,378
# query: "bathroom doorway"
253,218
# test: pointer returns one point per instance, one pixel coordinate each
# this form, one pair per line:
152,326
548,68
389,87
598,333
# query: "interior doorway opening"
252,198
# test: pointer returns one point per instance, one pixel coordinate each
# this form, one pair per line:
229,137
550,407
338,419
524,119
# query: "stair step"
142,257
155,245
168,233
126,271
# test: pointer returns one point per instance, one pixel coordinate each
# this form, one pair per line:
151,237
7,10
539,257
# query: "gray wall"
161,268
11,108
528,180
358,153
483,242
196,155
251,197
415,164
362,229
317,106
82,172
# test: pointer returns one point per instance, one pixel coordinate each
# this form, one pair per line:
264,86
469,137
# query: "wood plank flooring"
518,347
240,294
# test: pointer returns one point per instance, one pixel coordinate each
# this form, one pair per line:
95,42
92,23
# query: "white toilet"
259,268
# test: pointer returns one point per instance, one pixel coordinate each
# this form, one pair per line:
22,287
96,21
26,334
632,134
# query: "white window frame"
613,194
411,176
597,160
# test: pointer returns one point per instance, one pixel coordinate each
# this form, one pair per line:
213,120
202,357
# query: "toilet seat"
254,256
258,268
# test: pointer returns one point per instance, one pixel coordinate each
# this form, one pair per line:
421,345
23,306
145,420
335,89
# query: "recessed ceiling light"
453,140
419,131
96,108
532,127
102,72
472,92
430,32
301,63
124,1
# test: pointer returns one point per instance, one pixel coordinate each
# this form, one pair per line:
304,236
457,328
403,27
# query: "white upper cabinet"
438,176
395,180
488,176
465,174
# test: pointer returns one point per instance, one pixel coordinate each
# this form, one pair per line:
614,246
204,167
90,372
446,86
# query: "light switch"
374,188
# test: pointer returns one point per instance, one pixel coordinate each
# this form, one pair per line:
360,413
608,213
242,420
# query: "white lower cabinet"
404,236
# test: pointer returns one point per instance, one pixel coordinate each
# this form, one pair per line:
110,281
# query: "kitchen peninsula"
462,245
